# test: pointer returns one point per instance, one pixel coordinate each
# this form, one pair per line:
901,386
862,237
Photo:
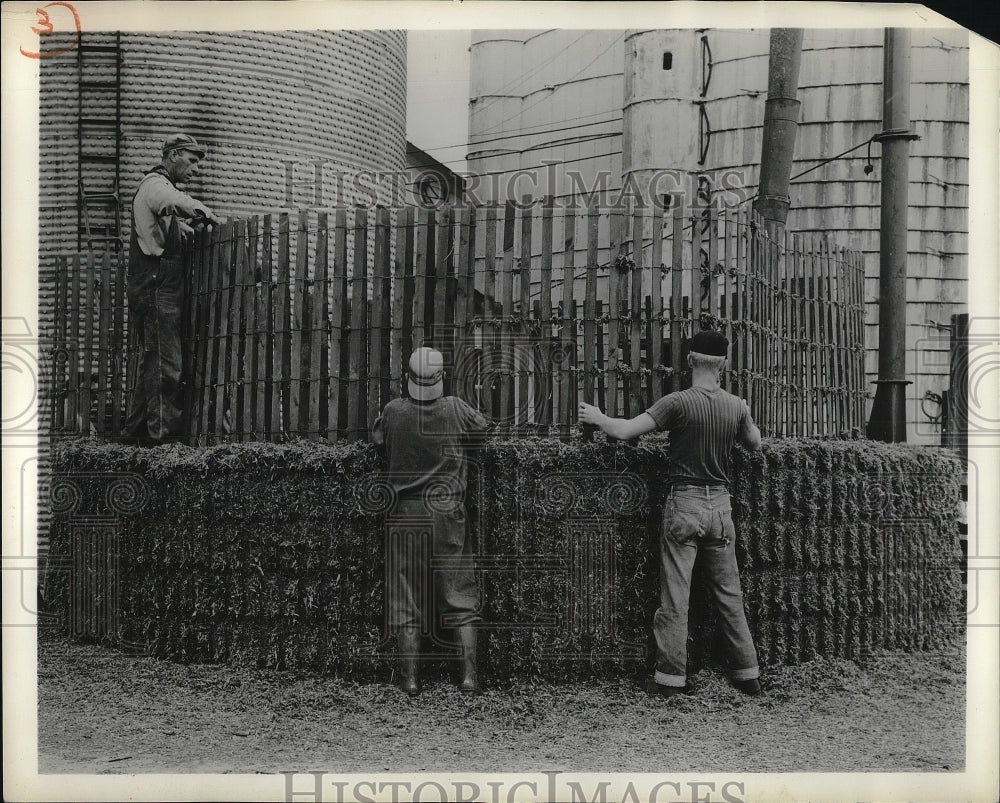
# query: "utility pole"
781,120
888,415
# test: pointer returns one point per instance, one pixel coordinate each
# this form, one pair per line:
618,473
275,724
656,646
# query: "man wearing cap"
704,422
431,583
162,218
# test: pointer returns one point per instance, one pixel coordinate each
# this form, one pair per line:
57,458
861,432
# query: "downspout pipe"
781,120
888,415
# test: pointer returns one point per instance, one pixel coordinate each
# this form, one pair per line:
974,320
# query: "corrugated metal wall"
540,96
259,101
841,94
840,87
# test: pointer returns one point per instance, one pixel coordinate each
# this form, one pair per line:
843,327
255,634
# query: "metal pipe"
888,415
781,120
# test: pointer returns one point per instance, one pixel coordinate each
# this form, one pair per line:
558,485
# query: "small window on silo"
668,60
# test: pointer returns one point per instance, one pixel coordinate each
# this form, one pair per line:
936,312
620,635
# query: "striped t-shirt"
703,425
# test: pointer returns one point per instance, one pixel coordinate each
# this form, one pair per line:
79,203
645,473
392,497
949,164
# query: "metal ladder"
99,140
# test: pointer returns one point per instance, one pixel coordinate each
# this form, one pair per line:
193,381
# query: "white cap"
426,377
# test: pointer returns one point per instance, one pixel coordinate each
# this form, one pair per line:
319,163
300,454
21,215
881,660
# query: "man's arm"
623,429
749,434
165,199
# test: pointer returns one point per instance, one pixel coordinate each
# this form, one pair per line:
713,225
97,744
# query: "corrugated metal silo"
268,106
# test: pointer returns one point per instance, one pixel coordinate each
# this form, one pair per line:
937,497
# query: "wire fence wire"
302,325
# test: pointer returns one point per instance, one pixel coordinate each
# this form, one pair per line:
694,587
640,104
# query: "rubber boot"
408,647
468,636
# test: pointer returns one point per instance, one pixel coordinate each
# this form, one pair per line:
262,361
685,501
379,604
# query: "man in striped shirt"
704,422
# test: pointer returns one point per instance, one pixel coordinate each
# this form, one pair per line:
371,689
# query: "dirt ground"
104,712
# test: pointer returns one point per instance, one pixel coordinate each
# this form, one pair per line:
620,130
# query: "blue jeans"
699,519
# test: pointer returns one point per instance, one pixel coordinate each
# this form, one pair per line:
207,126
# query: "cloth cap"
178,142
712,344
426,376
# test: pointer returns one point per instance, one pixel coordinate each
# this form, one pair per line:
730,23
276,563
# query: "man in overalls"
431,580
161,221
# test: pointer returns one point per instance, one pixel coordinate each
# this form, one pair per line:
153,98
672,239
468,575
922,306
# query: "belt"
708,489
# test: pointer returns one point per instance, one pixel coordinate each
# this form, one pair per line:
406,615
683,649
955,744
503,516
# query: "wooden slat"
401,301
270,424
465,289
74,356
656,273
728,263
90,308
840,326
298,390
524,381
590,313
713,262
848,275
261,342
788,395
567,330
227,375
808,332
774,389
828,339
741,297
378,382
281,394
676,294
442,269
816,349
490,392
191,335
819,350
338,299
104,346
357,352
859,312
420,312
319,368
801,382
247,423
549,382
212,349
507,363
617,289
242,349
59,345
197,325
635,399
756,351
765,323
756,318
696,273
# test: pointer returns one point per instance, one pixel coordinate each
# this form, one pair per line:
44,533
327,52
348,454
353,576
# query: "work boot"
750,686
654,689
408,647
468,636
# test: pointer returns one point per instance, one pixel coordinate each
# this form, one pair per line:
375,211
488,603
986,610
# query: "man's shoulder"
395,404
151,181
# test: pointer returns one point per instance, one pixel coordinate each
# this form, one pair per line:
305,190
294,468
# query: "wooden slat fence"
301,325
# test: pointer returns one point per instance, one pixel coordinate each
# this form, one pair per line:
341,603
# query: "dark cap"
712,344
182,142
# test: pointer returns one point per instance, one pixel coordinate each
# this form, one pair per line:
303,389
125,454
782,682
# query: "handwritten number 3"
45,24
45,27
